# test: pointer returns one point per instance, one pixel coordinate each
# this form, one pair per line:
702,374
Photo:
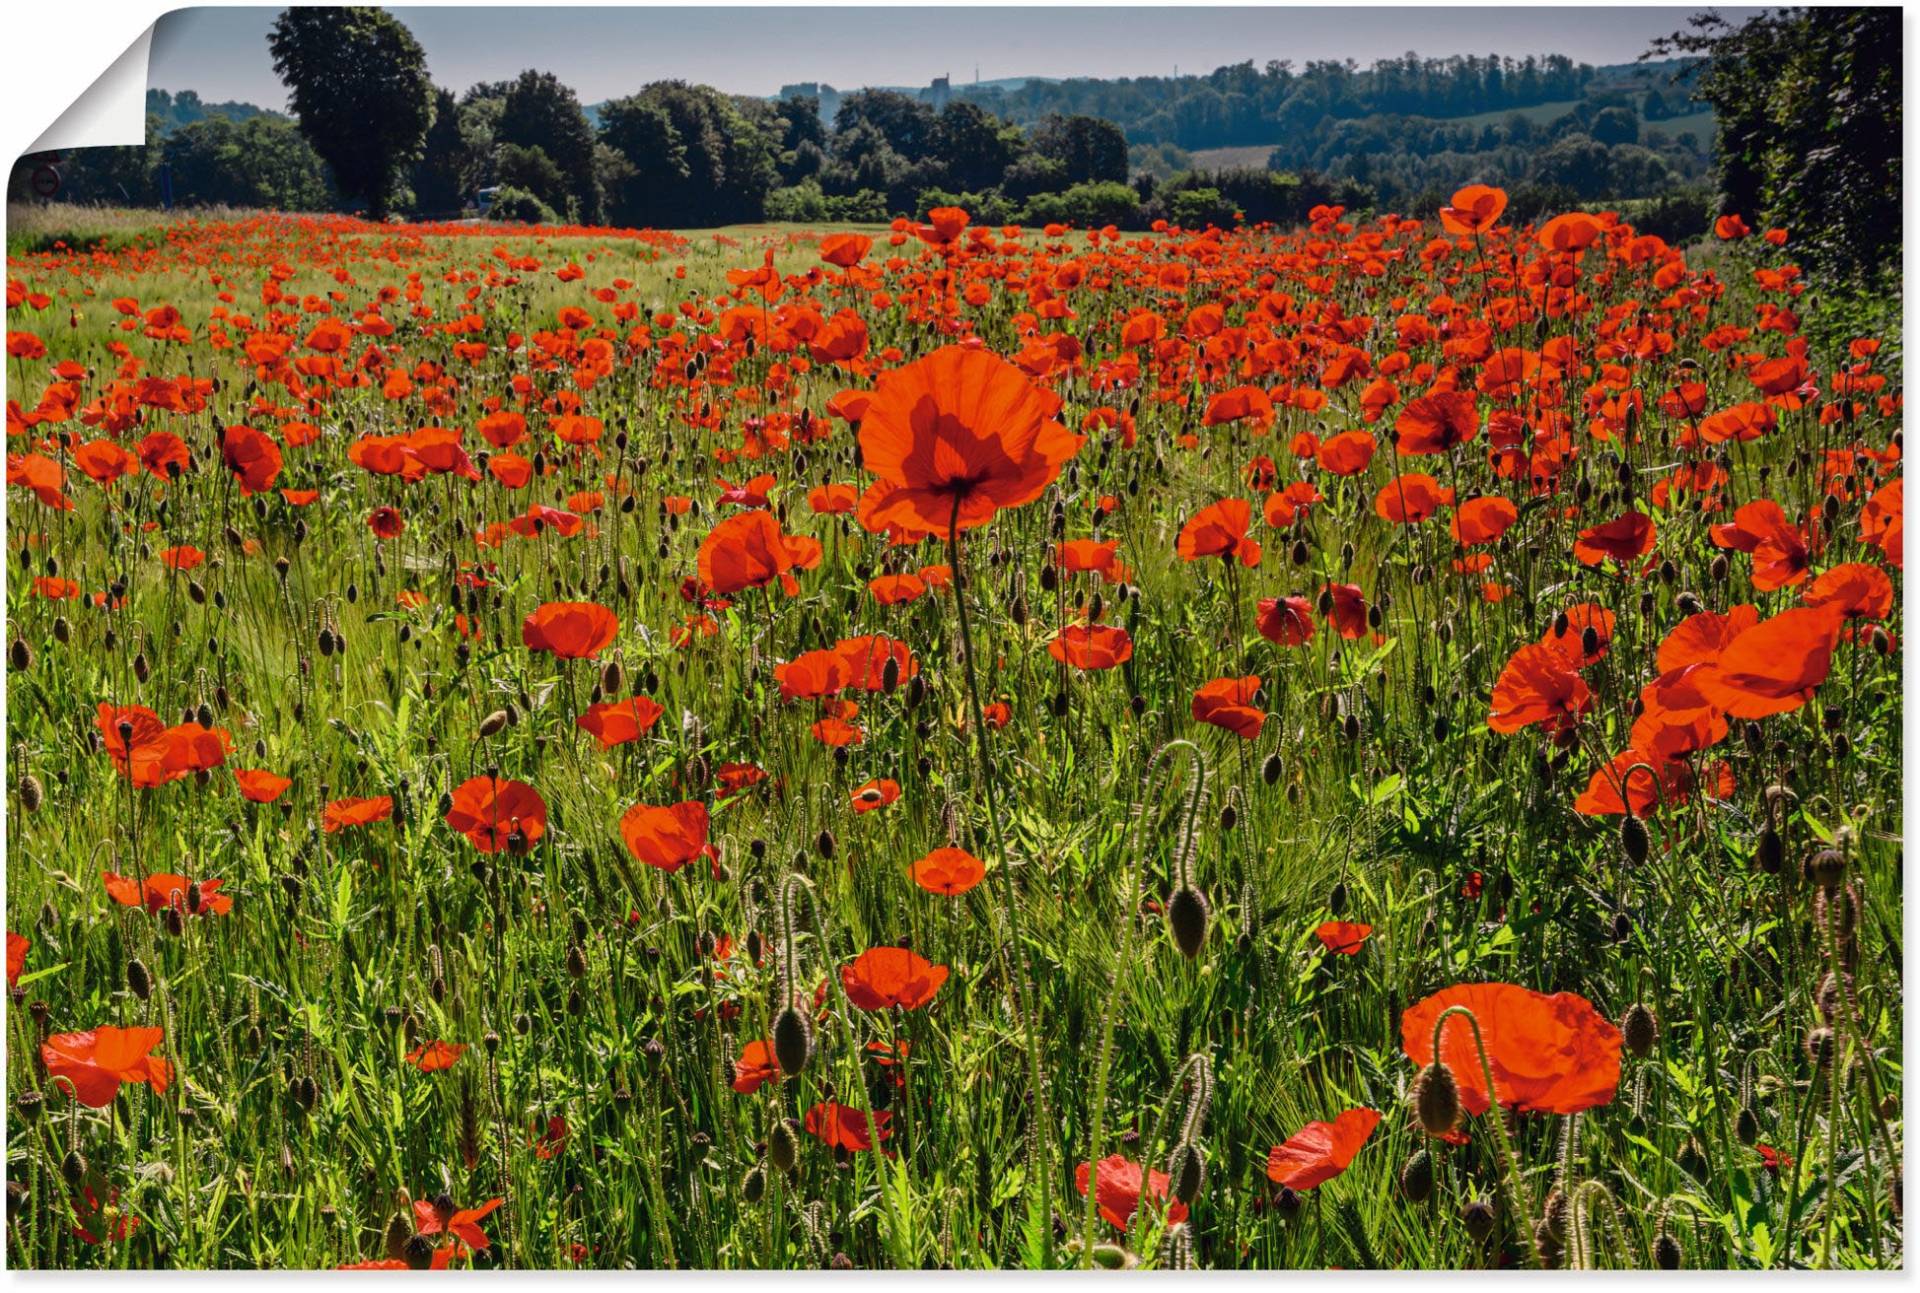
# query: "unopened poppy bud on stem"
1436,1099
1187,917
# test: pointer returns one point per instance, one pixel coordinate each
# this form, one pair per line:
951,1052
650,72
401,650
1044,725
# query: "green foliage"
540,113
1086,206
513,205
358,83
1808,105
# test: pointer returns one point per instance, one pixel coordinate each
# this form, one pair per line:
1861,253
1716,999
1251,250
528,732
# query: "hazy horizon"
221,54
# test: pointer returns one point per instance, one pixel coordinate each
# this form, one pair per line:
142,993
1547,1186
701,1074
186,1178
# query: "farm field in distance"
949,745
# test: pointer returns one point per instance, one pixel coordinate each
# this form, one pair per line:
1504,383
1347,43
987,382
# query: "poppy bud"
1271,769
1820,1047
1771,852
1827,868
63,633
1187,915
1746,1127
1436,1099
1228,817
1478,1217
139,982
1337,897
783,1148
1633,839
1718,570
419,1253
1561,624
1416,1177
1622,926
792,1041
1666,1249
753,1187
890,674
1189,1172
31,793
20,655
1287,1203
576,962
31,1105
492,723
824,845
1351,728
1640,1029
73,1167
175,924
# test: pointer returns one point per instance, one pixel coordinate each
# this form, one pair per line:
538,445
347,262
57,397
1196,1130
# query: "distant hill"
183,108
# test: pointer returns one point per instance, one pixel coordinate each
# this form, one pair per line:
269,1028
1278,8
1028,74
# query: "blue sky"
604,53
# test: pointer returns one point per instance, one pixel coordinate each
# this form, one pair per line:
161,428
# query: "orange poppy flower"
844,249
97,1061
1483,520
342,813
1549,1054
496,815
252,457
616,722
570,630
891,976
866,660
1856,590
1620,540
747,551
163,890
1343,937
1411,499
436,1057
1346,454
956,436
1538,685
877,793
1774,666
463,1224
1220,530
1228,703
949,871
1475,209
1091,646
667,837
259,785
1321,1151
1701,637
386,522
1121,1183
1435,423
841,1127
755,1067
17,945
1348,614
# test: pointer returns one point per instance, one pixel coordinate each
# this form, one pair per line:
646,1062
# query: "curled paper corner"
109,113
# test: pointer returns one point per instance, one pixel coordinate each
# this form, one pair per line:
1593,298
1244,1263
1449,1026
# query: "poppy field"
945,746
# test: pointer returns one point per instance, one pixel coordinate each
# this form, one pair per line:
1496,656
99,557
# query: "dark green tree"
357,80
1093,151
439,177
541,112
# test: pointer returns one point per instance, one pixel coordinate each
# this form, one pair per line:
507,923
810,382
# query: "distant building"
939,92
825,97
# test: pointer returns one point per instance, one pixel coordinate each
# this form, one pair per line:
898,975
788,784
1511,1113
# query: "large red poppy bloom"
342,813
1229,703
1320,1151
616,722
1620,540
748,550
1774,666
1120,1185
960,428
1287,621
1549,1054
949,871
97,1061
667,837
1538,685
839,1126
1092,646
1435,423
496,815
1220,530
891,976
570,630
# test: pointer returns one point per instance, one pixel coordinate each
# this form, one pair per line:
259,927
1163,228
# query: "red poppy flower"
97,1061
1475,209
955,437
891,976
877,793
496,815
755,1066
259,785
1287,621
1701,637
1644,782
950,871
616,722
1091,646
747,551
1571,640
163,890
668,837
1620,540
841,1127
866,659
1411,498
1549,1054
252,457
1120,1184
17,945
570,630
1483,520
811,675
1343,937
1856,590
844,249
1436,423
1538,685
436,1057
1220,530
342,813
1228,703
1321,1151
1774,666
1348,612
463,1223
